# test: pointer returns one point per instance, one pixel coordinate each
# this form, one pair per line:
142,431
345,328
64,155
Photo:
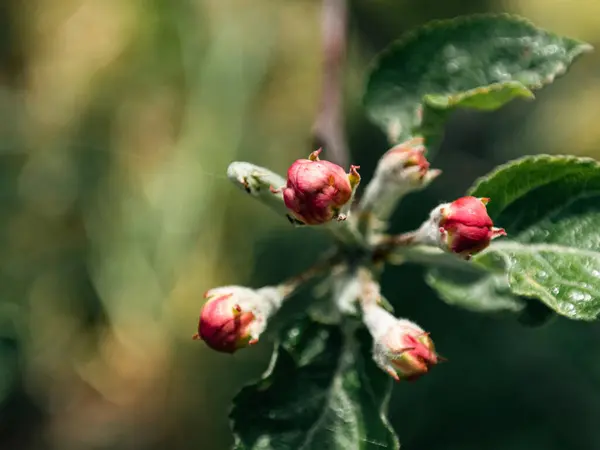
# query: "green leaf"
437,108
550,208
485,98
478,291
459,282
480,61
322,391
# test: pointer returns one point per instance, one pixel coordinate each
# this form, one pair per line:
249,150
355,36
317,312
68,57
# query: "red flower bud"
465,226
316,190
224,325
234,316
408,349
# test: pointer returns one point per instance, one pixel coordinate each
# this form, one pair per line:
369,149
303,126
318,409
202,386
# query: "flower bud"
408,350
405,163
462,227
317,190
234,316
401,170
400,347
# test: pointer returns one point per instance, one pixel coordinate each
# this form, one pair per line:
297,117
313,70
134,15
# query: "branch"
328,129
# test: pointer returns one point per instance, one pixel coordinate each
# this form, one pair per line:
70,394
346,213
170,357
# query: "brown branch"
328,129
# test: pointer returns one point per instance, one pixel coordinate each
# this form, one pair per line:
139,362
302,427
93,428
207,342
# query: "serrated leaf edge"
415,33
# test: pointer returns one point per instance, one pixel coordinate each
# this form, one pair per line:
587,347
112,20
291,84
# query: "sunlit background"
117,121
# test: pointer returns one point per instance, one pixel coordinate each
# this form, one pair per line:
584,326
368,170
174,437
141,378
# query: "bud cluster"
318,193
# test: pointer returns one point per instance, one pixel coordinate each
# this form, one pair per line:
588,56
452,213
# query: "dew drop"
542,275
578,296
555,290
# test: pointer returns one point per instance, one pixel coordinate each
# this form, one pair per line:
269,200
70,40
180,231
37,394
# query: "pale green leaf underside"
485,98
463,284
447,60
322,391
550,208
476,291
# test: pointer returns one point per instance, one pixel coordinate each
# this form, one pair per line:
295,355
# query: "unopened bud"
400,347
462,227
401,170
405,163
316,190
234,316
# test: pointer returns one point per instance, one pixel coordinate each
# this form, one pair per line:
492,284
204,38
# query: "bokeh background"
117,121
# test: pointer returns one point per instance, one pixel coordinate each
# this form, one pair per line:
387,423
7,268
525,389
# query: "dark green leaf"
550,208
322,391
479,62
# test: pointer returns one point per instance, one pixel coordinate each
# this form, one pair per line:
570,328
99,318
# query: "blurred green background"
118,120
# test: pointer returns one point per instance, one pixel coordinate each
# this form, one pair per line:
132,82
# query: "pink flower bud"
408,155
409,350
400,347
224,325
234,316
317,190
465,226
401,170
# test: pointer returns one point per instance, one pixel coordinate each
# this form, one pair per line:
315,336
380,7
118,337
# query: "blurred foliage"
118,121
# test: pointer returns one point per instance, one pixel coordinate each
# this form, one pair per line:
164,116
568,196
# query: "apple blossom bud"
400,347
234,316
401,170
404,162
462,227
317,190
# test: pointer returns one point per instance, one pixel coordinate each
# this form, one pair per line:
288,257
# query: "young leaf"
258,181
480,62
550,208
322,391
